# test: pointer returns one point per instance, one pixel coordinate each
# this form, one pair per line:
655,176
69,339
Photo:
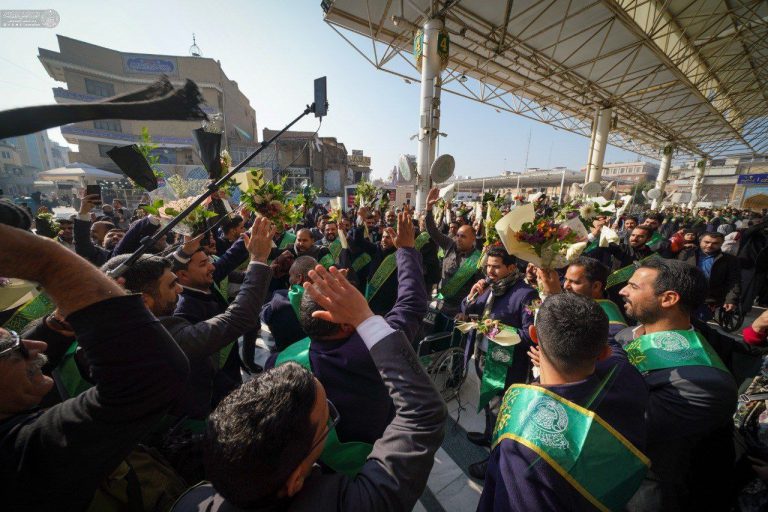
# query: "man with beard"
138,373
692,394
337,356
459,271
305,246
572,440
66,235
506,299
331,242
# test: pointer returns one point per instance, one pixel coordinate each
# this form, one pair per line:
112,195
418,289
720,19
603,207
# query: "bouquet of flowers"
366,194
543,241
264,197
586,210
384,202
192,224
492,329
492,216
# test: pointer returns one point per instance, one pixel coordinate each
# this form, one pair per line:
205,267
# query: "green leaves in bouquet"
366,194
154,207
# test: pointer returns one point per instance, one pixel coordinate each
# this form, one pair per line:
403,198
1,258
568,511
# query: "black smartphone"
91,190
321,97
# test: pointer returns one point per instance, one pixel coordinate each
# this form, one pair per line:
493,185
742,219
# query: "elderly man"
459,271
138,371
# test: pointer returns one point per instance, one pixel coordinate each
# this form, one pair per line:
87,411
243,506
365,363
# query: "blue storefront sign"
149,65
753,179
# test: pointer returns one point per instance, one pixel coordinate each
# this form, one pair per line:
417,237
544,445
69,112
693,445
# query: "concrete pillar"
597,155
661,179
698,181
429,112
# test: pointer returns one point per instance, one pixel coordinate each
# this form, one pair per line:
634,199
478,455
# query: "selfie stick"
319,107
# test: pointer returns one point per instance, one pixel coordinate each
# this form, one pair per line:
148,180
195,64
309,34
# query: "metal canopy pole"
595,169
661,179
430,69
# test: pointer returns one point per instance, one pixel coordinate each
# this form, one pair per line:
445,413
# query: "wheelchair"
730,321
441,353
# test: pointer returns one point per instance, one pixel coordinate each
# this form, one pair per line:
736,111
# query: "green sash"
497,360
38,307
335,249
347,458
591,246
623,274
294,297
288,240
671,349
387,266
361,261
655,238
459,279
599,462
612,311
68,374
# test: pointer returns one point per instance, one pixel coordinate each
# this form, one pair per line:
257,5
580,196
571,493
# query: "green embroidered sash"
387,267
671,349
335,249
497,360
612,311
295,294
623,274
38,307
599,462
361,261
655,238
347,458
467,269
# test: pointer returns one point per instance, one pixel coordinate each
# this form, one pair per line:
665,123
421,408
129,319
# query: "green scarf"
347,458
599,462
671,349
295,294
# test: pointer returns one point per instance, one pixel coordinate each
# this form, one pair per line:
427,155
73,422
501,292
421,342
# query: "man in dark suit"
279,314
692,394
721,270
255,464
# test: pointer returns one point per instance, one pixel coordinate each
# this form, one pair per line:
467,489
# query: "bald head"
465,238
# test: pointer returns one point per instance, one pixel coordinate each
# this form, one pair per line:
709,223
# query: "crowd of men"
258,366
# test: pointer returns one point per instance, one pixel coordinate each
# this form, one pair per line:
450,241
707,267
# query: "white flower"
575,250
257,199
587,211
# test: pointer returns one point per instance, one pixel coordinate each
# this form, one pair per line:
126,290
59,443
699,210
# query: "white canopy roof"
79,172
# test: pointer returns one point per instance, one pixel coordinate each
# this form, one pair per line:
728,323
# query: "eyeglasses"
16,344
333,419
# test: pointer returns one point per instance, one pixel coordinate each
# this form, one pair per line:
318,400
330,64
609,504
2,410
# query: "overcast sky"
274,49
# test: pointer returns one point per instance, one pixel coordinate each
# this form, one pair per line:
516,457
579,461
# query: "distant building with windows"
23,157
91,73
628,174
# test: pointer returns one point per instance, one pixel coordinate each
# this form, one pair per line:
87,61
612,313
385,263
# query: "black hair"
500,252
302,265
645,228
713,234
631,217
178,265
572,331
680,277
594,271
231,223
259,434
314,327
656,216
143,276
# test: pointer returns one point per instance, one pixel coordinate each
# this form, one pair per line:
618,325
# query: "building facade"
628,174
23,157
302,158
92,73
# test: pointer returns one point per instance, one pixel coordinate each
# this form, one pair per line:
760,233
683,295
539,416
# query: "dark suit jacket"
724,280
395,474
279,316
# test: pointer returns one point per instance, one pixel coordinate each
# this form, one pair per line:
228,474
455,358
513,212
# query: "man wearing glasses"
54,459
263,440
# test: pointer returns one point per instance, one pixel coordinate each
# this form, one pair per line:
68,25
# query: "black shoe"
479,438
478,469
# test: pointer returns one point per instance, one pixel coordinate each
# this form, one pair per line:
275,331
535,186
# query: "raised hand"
549,281
432,198
259,243
404,236
88,203
342,302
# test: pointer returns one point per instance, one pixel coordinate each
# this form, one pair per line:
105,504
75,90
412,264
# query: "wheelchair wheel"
447,372
730,321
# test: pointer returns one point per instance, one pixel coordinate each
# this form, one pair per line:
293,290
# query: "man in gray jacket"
263,440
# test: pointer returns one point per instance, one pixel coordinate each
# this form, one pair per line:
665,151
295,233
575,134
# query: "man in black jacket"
54,459
722,272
